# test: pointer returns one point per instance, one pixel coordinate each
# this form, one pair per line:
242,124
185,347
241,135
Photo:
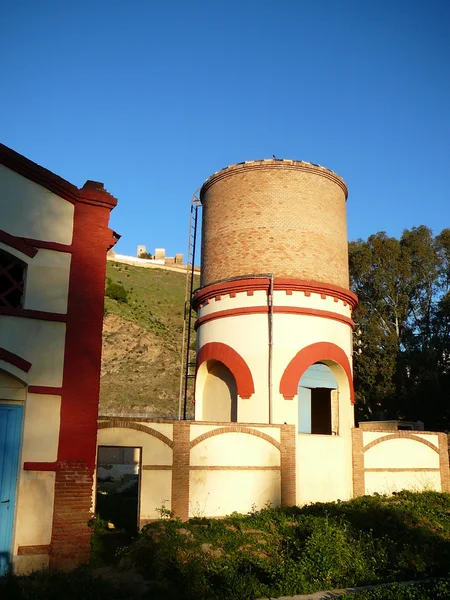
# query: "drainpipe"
270,327
270,361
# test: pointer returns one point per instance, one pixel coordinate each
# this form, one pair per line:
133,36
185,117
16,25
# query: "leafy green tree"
404,316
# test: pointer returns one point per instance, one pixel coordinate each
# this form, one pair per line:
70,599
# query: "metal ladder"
187,365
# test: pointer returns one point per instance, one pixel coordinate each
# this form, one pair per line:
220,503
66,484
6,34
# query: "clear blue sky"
152,97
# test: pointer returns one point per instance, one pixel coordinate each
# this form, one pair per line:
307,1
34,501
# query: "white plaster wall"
235,449
386,483
433,439
280,298
164,428
47,281
39,342
41,428
34,513
11,388
31,211
24,565
401,453
370,436
156,491
324,468
196,429
219,493
154,451
248,335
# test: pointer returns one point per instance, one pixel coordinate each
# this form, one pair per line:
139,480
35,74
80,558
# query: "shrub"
51,585
287,551
437,590
117,292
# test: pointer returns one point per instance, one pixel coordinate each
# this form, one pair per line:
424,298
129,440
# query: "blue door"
10,430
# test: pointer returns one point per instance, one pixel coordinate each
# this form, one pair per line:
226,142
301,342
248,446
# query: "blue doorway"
314,400
10,434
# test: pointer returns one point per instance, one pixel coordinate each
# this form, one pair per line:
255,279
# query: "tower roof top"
274,163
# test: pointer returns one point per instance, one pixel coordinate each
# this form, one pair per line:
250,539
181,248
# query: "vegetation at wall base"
272,552
287,551
54,585
434,590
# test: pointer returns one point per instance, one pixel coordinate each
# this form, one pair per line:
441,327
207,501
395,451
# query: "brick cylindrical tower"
275,216
274,327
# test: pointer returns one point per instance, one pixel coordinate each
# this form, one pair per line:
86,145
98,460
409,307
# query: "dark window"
321,411
12,275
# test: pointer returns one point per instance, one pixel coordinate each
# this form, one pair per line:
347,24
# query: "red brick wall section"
359,486
443,462
288,466
180,472
81,378
71,534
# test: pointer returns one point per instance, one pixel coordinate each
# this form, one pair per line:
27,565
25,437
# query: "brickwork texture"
282,217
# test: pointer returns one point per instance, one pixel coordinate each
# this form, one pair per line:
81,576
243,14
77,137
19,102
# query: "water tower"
274,326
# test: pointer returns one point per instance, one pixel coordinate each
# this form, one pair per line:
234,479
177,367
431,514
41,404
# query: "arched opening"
12,277
219,402
318,401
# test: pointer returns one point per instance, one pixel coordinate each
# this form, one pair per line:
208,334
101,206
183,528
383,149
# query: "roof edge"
274,163
91,193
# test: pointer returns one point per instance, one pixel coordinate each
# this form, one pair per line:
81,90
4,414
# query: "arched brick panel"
138,427
235,429
307,357
400,434
234,361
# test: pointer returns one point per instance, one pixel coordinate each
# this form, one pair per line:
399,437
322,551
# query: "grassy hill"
142,341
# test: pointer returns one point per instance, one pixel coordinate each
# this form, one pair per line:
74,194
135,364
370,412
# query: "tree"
404,315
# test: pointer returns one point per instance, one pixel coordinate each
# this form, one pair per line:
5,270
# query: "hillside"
142,342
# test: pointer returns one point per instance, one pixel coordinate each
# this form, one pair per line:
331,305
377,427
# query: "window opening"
316,396
118,487
12,277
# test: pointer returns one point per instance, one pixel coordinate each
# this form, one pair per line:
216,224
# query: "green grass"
273,552
142,341
155,299
289,551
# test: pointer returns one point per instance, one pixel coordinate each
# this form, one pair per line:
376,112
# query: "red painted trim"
82,357
15,360
91,193
18,244
48,245
307,357
26,313
41,466
280,283
43,389
292,310
234,361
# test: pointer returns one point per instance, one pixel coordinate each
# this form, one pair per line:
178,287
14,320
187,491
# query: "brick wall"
283,217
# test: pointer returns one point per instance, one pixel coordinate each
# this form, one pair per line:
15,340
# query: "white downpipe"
270,360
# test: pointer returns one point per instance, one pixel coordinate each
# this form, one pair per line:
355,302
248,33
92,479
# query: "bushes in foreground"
287,551
437,590
277,552
51,585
